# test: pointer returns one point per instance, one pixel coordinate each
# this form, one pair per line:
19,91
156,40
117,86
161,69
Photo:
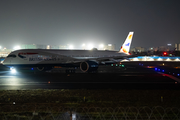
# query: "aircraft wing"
103,59
114,58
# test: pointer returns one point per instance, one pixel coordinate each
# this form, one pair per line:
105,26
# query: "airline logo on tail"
127,43
130,37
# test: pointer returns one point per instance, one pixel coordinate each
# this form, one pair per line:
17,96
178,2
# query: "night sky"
61,22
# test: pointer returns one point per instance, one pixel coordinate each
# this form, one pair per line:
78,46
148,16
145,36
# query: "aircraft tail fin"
127,43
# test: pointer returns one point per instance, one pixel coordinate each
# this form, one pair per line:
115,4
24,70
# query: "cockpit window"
12,55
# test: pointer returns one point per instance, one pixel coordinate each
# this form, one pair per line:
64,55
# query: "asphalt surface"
131,76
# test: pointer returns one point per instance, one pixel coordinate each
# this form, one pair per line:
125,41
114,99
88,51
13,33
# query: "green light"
122,65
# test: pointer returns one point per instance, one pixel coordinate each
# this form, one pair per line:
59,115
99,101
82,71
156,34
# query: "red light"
165,53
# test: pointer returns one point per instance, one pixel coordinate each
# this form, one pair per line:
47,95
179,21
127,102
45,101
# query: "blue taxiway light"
32,68
158,69
178,74
155,68
162,70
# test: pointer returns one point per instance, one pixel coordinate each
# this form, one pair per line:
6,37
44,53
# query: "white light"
125,60
17,47
48,46
145,59
168,59
101,46
74,116
83,44
0,47
151,59
13,70
2,61
71,47
159,59
109,44
90,46
135,59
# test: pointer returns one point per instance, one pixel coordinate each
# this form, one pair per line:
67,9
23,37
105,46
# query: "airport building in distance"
4,52
177,46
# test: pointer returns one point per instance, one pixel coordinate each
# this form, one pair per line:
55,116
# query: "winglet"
127,43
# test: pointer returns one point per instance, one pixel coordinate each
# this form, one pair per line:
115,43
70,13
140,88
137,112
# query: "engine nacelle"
44,68
89,66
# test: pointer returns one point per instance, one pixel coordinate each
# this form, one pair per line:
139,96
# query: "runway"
135,77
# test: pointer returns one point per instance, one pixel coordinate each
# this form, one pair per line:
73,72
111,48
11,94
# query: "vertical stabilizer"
127,43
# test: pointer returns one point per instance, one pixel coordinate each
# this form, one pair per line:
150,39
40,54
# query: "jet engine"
44,68
88,66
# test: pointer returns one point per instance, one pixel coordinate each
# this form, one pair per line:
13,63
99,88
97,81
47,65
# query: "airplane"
86,60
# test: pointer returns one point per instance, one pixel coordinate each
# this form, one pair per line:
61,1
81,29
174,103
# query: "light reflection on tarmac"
124,80
41,81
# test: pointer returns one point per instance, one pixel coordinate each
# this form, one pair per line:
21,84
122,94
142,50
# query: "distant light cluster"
155,58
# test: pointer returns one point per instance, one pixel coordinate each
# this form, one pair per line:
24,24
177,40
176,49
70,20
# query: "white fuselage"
57,57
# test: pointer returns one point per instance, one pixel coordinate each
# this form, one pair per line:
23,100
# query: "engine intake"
88,66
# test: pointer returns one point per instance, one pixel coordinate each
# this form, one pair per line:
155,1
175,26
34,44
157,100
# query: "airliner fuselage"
47,56
87,60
